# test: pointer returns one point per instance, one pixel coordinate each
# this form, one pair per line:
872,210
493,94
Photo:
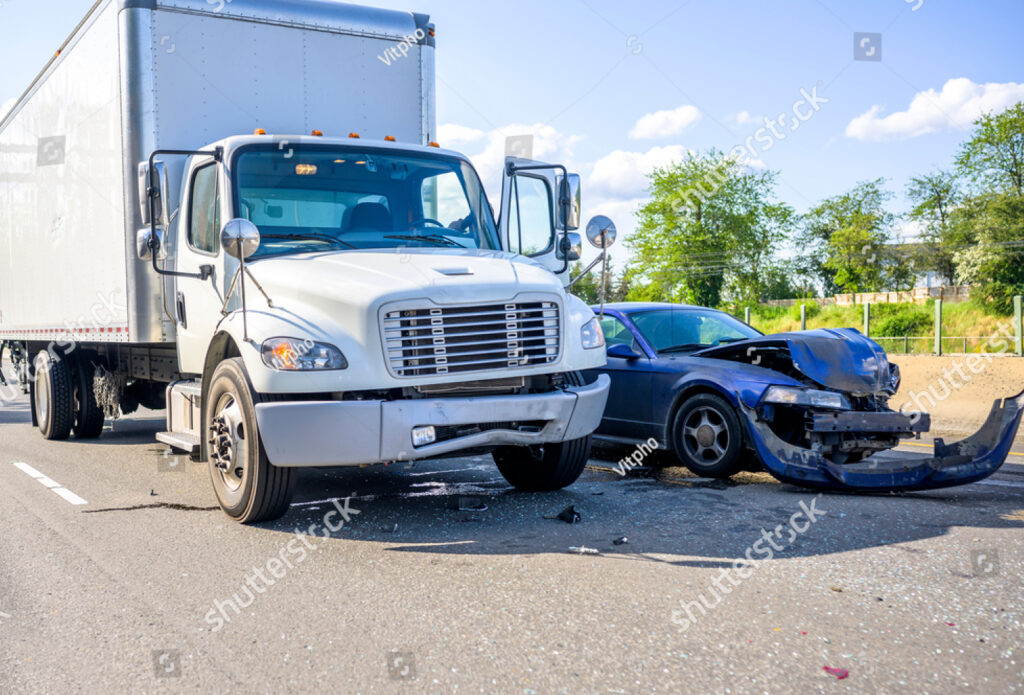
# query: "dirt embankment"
957,390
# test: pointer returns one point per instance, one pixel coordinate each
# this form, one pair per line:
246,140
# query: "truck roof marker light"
435,144
354,136
259,131
318,133
389,138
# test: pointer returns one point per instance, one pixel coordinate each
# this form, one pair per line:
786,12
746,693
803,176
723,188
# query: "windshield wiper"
437,239
684,347
309,237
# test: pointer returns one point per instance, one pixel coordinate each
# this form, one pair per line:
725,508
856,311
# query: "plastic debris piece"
569,515
152,493
951,624
620,541
472,504
584,550
839,673
836,589
803,632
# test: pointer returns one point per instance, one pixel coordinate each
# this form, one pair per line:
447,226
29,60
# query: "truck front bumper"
346,433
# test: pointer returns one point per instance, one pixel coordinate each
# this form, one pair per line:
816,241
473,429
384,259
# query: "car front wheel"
708,436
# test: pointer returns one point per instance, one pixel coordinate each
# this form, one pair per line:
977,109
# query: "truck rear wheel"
53,396
89,417
249,488
546,467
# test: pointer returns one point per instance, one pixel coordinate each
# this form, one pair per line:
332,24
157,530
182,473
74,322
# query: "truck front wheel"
53,396
249,487
546,467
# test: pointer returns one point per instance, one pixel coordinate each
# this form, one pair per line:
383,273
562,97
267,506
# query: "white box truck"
235,209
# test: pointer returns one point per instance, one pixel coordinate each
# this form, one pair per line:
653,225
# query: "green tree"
711,228
995,265
843,239
993,158
587,287
936,198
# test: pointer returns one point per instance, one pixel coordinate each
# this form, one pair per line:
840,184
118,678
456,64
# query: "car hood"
836,358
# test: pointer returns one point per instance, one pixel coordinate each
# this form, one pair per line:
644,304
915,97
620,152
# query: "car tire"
708,437
89,418
53,396
546,467
249,488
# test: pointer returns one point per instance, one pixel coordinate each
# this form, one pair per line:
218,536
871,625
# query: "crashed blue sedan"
812,405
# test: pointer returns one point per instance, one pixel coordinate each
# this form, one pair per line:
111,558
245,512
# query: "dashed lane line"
66,494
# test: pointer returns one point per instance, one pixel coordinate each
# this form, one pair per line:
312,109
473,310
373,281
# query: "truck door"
530,221
197,303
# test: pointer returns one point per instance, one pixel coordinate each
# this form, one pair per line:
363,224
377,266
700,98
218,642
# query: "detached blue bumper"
966,461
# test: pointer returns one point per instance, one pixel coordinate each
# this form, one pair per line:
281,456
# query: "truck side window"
204,214
531,228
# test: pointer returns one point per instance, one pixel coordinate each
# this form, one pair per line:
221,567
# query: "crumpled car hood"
837,358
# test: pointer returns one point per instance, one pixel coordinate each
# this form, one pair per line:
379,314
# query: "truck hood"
837,358
445,276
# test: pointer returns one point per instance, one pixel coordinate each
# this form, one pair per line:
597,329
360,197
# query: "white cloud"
452,135
957,105
746,118
7,106
622,175
665,123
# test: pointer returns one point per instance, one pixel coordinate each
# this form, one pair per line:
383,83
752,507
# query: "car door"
628,413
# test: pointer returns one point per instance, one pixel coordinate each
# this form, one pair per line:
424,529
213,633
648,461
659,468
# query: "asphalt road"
119,574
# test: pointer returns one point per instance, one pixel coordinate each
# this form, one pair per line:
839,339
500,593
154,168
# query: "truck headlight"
806,397
295,355
592,335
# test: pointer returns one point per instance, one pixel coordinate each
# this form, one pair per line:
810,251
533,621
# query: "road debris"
472,504
620,541
584,550
569,515
839,673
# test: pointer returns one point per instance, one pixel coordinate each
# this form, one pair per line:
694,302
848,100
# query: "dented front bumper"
959,463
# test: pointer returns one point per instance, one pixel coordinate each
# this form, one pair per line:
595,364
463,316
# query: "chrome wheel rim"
229,449
42,391
705,435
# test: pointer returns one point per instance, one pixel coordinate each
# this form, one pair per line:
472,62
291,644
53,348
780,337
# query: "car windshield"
686,330
322,198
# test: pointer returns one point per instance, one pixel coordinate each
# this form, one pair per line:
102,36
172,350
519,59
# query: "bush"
898,320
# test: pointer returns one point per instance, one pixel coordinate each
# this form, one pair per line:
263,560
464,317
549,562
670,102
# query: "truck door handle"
182,316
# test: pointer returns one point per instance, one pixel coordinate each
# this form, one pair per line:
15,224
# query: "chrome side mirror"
601,232
571,246
163,214
143,248
240,238
569,188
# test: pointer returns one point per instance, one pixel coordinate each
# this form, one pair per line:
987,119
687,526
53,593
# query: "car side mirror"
623,352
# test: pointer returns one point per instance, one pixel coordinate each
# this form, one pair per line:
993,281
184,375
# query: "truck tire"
546,467
89,416
53,396
708,438
248,486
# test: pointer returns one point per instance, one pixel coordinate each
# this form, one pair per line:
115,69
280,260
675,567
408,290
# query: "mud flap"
966,461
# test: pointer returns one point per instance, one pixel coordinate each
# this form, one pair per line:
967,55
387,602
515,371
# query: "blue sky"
581,75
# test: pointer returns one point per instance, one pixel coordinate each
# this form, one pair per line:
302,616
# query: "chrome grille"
428,340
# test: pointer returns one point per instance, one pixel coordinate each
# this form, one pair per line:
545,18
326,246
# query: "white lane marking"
50,483
4,615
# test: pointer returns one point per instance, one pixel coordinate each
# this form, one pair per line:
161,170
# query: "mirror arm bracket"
153,192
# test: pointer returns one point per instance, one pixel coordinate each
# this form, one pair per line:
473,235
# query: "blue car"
812,406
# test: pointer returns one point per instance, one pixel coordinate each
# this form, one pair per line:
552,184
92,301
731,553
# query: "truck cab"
355,301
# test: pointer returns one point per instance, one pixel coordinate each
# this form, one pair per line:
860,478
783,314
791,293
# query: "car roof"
633,307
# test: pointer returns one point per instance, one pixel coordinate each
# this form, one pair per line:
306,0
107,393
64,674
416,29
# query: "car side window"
204,211
616,333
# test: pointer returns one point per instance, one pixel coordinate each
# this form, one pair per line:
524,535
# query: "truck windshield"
332,198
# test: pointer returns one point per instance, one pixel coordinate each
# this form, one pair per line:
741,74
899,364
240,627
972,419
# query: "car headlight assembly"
782,395
295,355
894,377
592,335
